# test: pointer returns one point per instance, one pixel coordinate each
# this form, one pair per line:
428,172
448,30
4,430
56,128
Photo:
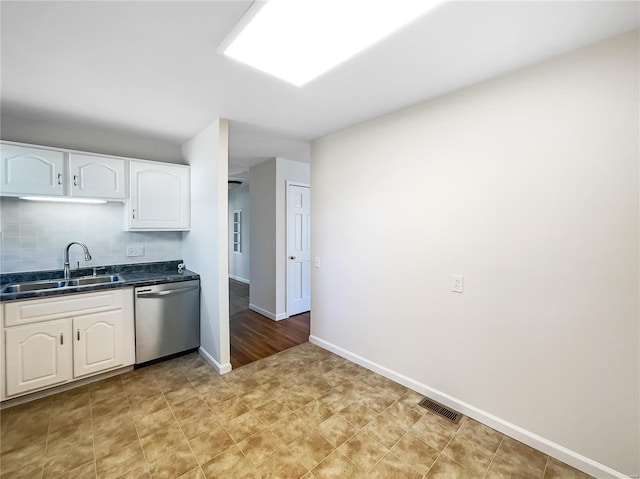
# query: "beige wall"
262,270
528,186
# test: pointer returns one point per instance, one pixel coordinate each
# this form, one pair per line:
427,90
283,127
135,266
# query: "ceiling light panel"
298,40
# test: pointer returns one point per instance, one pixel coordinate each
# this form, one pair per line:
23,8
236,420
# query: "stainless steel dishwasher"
167,319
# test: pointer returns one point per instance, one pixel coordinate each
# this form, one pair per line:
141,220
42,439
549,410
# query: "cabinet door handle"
59,178
75,180
78,335
133,213
61,338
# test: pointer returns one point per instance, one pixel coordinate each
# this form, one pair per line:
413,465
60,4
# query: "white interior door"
298,249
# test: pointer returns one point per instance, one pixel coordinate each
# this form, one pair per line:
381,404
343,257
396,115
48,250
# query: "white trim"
238,278
574,459
239,232
268,314
9,402
91,153
247,16
219,368
296,183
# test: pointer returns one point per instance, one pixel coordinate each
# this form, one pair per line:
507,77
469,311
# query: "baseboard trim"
9,402
561,453
238,278
268,314
219,368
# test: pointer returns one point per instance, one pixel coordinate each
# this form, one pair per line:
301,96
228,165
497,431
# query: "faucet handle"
98,268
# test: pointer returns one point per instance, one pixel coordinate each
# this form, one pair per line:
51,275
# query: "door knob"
292,257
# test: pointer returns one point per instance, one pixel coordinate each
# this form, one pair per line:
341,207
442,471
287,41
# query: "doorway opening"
269,293
254,336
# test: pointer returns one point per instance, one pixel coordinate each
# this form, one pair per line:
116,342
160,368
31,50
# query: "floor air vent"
441,410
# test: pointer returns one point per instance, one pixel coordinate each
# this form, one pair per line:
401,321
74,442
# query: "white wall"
206,244
85,136
34,236
268,233
239,263
528,186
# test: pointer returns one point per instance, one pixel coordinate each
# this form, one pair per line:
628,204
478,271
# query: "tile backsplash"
34,236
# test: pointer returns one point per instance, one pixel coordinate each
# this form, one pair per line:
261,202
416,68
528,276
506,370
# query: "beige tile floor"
301,413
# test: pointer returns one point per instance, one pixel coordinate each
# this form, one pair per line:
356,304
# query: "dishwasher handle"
142,294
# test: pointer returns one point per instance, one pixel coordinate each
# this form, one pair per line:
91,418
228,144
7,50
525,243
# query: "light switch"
457,283
316,262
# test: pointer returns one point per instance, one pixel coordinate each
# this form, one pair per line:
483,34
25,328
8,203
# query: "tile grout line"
442,452
46,446
176,420
95,454
546,464
146,464
181,430
349,397
388,449
93,436
495,454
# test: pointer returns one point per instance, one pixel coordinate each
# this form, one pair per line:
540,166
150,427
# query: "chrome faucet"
87,257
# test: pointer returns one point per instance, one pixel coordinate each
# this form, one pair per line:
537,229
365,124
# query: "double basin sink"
60,283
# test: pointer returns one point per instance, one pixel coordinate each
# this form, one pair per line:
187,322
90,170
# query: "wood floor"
254,336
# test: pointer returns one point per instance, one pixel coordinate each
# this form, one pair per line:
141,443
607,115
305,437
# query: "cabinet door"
160,197
3,392
26,170
38,355
98,342
96,176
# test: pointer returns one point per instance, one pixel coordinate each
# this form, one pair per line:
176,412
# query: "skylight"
298,40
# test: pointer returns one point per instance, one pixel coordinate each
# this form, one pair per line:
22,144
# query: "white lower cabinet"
93,338
97,343
38,356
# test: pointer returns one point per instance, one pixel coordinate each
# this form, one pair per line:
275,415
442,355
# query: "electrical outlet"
135,250
457,283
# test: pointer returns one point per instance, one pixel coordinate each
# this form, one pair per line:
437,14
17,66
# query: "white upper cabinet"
159,194
27,170
160,197
96,176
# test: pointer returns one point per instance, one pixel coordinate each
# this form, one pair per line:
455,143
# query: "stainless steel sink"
33,286
111,278
60,283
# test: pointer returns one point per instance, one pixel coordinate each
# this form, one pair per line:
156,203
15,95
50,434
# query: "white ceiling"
152,67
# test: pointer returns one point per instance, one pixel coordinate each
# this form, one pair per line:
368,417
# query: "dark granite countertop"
141,274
